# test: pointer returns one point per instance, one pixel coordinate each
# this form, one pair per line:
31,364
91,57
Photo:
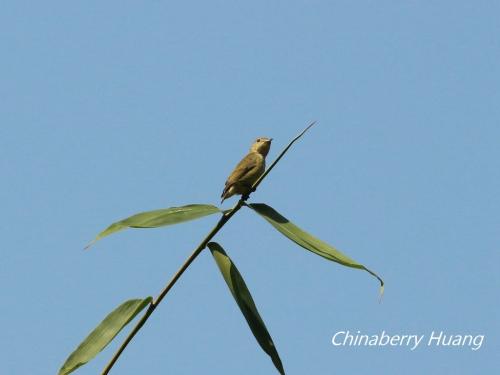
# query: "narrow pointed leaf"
102,335
307,241
159,218
245,302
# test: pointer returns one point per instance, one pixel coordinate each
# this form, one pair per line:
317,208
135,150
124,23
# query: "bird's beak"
270,139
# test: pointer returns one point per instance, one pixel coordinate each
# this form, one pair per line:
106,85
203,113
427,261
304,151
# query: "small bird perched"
248,170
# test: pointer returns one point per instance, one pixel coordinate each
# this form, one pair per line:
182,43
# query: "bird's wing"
244,168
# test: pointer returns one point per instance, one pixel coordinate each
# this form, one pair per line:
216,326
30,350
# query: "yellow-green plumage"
248,170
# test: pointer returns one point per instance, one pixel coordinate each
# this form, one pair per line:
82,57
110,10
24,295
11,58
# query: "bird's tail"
223,195
226,193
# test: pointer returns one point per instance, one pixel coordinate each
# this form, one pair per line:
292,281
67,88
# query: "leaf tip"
381,293
90,244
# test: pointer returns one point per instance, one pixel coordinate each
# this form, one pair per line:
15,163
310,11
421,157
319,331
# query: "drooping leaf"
243,298
102,335
306,240
160,218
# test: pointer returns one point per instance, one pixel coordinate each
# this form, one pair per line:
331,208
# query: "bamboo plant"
115,321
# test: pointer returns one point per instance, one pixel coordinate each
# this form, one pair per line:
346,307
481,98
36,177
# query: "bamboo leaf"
306,240
243,298
159,218
102,335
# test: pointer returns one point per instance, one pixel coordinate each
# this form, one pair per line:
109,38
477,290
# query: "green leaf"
102,335
307,241
159,218
245,301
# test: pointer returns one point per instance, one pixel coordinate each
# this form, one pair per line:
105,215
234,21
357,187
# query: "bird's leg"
248,191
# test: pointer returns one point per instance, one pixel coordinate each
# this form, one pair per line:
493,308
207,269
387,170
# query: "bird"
248,170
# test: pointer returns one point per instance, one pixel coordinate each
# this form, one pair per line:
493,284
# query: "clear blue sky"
111,108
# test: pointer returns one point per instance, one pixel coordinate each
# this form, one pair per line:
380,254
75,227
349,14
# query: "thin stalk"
203,244
257,183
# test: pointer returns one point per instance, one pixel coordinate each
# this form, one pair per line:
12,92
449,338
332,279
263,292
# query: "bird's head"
261,145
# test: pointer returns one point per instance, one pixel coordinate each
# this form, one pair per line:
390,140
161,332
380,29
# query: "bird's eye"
258,139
